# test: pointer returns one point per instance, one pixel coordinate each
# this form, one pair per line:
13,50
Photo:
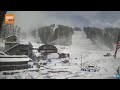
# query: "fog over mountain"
34,19
101,25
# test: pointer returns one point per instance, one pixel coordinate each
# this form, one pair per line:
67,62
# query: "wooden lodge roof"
18,45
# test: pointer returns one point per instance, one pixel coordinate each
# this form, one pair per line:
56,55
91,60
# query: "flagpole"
116,46
115,53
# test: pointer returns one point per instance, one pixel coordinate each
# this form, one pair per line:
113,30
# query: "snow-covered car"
65,61
90,68
43,62
107,55
64,55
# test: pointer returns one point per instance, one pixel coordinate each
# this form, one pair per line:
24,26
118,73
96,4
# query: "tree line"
107,36
49,35
8,30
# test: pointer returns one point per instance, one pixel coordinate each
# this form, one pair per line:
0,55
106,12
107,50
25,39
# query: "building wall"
13,63
13,67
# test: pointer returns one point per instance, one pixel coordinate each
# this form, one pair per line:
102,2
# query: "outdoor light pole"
81,61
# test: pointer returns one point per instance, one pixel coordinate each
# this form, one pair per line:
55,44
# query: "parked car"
107,55
64,55
90,68
65,61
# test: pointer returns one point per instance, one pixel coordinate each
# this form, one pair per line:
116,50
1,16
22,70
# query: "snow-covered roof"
24,43
2,52
13,59
11,42
35,45
64,51
10,36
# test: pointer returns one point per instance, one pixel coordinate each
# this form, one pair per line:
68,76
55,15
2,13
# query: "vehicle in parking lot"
90,68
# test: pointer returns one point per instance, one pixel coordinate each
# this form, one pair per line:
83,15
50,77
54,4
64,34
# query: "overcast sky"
33,19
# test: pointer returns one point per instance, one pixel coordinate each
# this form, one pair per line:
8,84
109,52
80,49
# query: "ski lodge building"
13,46
47,49
13,62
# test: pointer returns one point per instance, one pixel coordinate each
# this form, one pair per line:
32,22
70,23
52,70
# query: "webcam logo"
9,18
118,75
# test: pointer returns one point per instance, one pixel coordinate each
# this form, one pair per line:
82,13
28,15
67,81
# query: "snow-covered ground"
81,48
